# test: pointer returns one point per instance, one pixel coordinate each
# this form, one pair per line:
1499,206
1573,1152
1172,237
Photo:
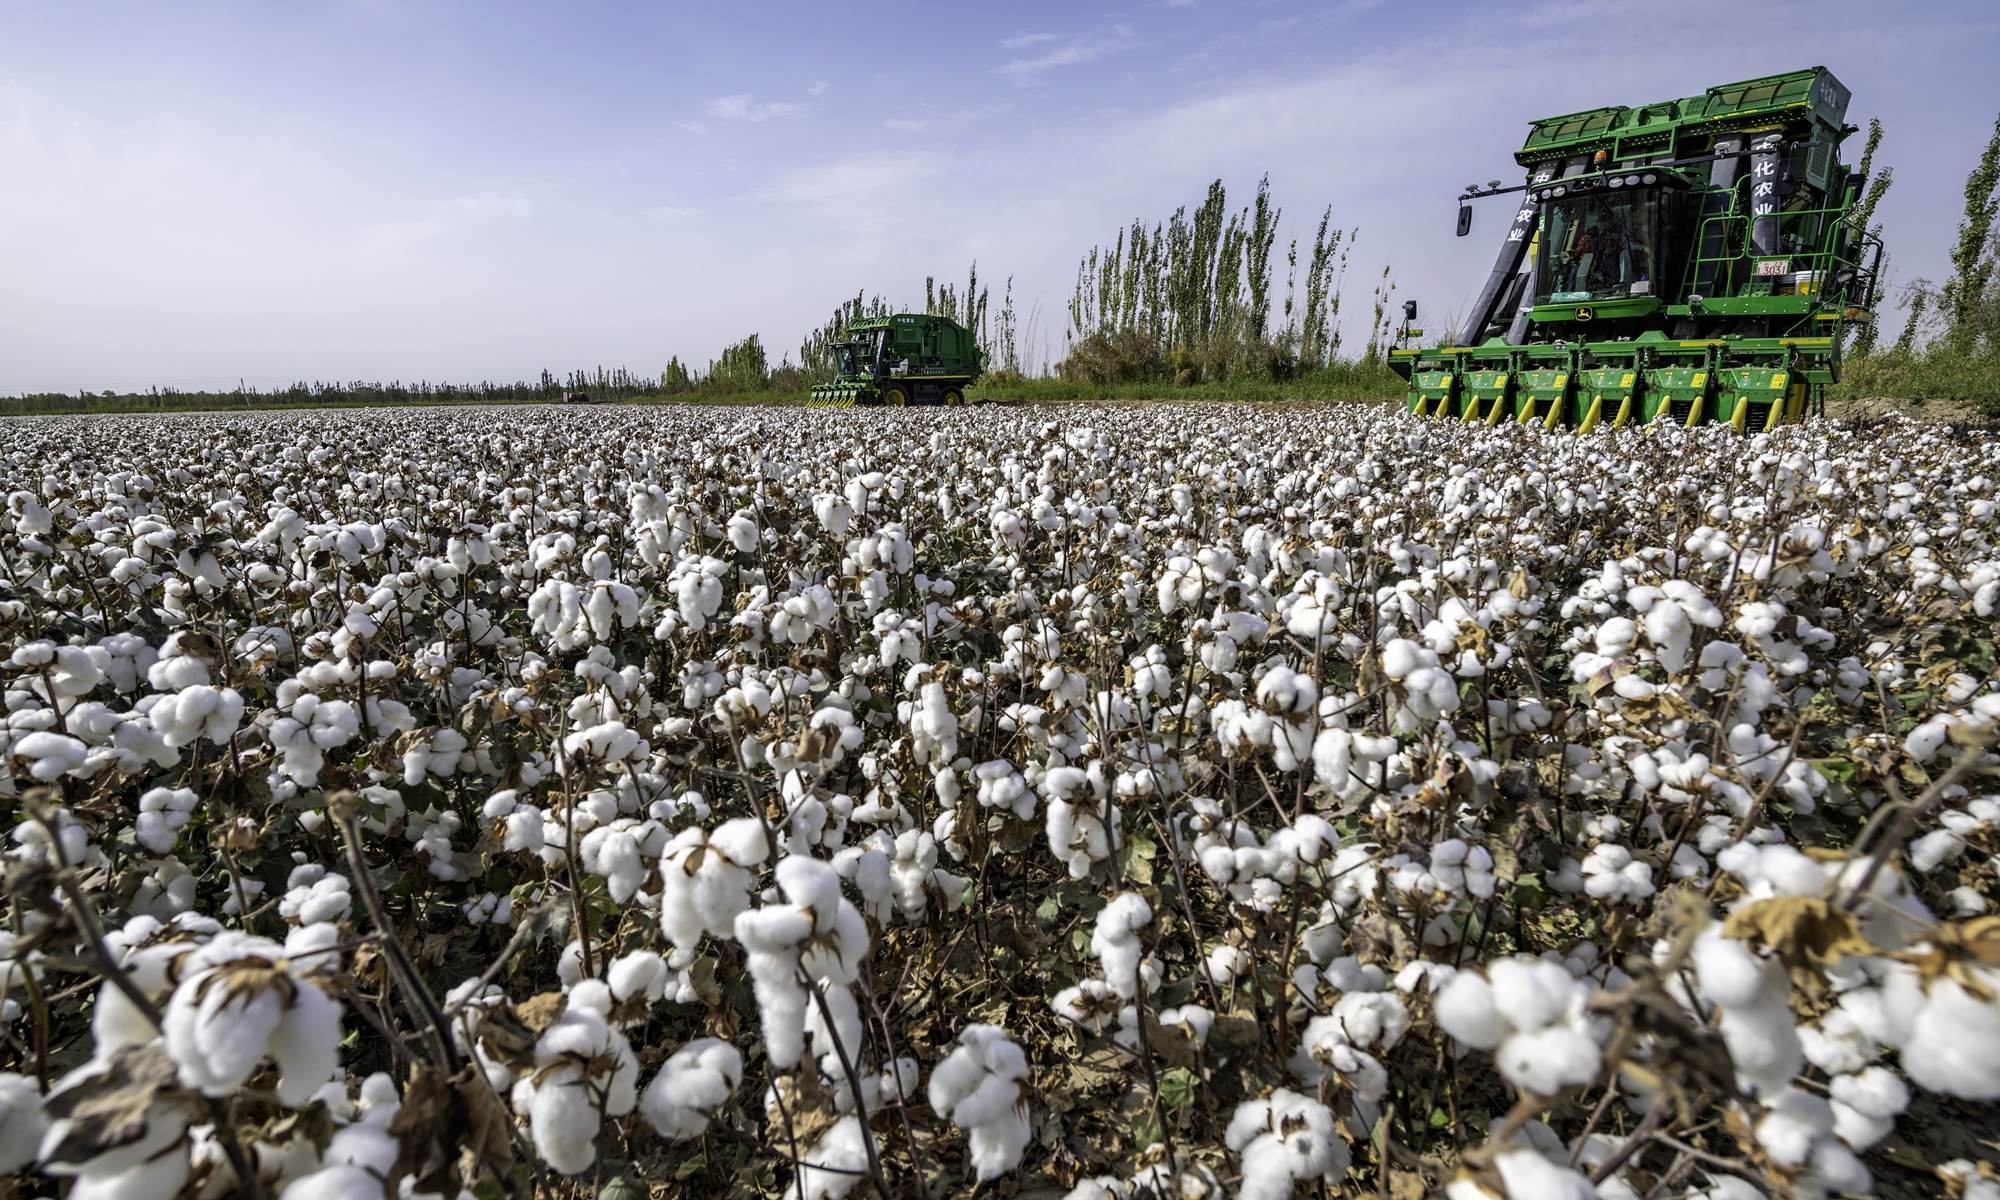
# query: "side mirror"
1409,310
1464,219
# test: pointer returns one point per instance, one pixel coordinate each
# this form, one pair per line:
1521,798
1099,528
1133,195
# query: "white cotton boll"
693,1083
569,965
1965,1173
1076,832
335,1183
1324,939
1001,786
1838,1044
1324,1050
1857,1129
21,1121
325,899
563,1123
1954,1041
1400,657
705,882
1935,849
1729,973
1372,1020
1529,1176
614,854
982,1087
1114,941
306,1044
1874,1091
1756,1016
1284,1139
640,975
1544,1061
743,534
561,1103
162,814
1466,1011
842,1149
1193,1017
843,1035
218,1033
1967,902
1793,1121
591,996
1333,758
1529,993
774,937
1101,1187
1225,963
154,1167
1611,874
1089,1005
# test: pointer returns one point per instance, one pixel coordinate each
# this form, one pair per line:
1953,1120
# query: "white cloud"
743,107
1027,39
672,213
515,206
816,88
1076,50
445,218
393,239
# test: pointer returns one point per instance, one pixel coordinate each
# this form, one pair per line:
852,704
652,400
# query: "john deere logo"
1585,314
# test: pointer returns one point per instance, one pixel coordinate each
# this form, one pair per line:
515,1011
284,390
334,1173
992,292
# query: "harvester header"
1690,260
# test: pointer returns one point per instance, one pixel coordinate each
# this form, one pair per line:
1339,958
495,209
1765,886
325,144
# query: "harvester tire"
895,397
953,398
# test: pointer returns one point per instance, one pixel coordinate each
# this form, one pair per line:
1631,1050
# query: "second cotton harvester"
1689,261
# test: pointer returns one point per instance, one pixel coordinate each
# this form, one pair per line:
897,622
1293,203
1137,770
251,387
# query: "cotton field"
1176,802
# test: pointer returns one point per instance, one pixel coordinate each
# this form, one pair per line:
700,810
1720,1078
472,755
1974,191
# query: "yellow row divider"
1777,411
1423,405
1624,412
1741,417
1694,413
1591,418
1499,409
1555,413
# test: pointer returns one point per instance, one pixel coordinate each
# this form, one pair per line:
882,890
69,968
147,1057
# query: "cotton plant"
982,1085
706,883
242,999
316,896
692,1084
1283,1141
1532,1016
585,1073
1076,825
1316,709
816,935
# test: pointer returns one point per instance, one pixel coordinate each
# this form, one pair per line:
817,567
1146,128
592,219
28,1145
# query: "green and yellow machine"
1688,261
909,358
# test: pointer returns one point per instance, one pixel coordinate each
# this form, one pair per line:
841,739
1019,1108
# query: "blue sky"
195,193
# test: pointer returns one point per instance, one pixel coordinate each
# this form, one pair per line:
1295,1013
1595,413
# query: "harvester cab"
1690,261
909,358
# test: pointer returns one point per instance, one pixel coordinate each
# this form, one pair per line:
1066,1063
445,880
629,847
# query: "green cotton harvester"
905,359
1688,261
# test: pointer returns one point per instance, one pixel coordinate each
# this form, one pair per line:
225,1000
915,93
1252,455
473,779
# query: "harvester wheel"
953,397
895,397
